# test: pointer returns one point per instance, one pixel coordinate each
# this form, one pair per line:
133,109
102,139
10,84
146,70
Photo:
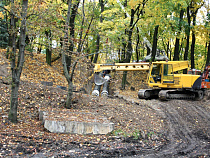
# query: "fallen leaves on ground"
28,136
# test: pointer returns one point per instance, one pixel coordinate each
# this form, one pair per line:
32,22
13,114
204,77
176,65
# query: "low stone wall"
65,121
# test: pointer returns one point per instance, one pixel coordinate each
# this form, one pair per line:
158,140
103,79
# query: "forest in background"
112,31
102,31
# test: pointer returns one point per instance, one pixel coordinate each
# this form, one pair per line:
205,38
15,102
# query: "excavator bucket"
98,79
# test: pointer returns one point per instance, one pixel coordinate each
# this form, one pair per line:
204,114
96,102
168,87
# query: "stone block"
47,83
75,127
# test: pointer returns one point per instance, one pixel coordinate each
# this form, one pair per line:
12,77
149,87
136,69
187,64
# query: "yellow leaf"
1,15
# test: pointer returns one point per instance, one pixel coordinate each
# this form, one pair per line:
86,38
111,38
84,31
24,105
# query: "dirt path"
188,129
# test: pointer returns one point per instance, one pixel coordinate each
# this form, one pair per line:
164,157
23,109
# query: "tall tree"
195,6
48,49
137,10
4,34
207,25
208,54
154,45
17,68
187,34
193,41
101,2
68,54
177,43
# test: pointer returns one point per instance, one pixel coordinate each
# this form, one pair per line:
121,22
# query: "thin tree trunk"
98,36
154,46
14,102
208,55
193,42
129,49
65,57
188,34
176,49
48,50
48,56
167,49
71,26
17,70
148,50
97,48
137,45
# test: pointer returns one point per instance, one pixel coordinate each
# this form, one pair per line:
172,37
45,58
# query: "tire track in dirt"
188,129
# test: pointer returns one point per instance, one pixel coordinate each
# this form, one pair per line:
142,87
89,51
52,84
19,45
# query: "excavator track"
181,94
148,93
171,94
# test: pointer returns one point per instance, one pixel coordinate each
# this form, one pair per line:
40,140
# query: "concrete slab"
74,122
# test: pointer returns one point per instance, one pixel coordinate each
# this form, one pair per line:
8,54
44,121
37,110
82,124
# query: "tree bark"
208,55
154,45
17,70
193,41
148,50
176,49
129,48
129,33
188,34
48,50
68,50
97,49
48,56
71,24
188,37
137,45
101,2
66,57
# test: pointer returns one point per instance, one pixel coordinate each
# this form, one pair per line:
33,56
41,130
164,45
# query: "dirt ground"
143,128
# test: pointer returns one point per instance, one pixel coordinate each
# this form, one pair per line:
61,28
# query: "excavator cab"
160,73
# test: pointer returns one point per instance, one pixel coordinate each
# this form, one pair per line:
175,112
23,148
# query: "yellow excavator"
166,82
163,79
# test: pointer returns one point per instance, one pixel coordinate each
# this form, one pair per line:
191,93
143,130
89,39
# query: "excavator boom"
122,67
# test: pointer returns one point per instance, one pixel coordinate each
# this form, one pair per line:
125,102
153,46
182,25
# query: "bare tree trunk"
129,32
101,2
188,34
17,70
65,57
188,38
71,25
129,50
154,45
208,55
68,50
148,50
48,50
97,49
176,49
193,41
137,45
